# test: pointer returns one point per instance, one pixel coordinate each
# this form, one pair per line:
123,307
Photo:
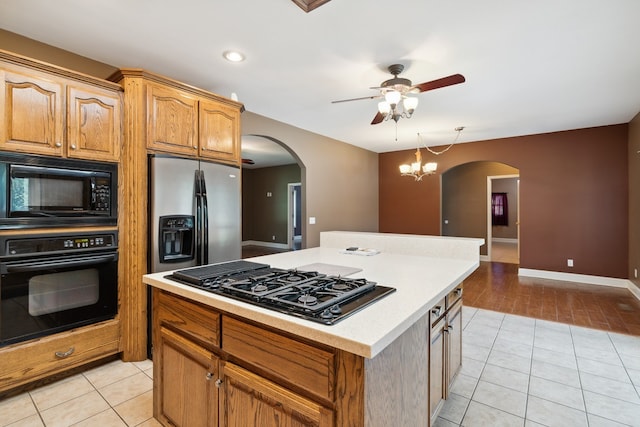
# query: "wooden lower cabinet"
250,400
185,389
454,336
41,358
195,384
445,349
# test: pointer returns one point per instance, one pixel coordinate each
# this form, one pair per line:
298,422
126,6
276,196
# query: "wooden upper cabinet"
94,123
53,111
172,120
219,131
32,113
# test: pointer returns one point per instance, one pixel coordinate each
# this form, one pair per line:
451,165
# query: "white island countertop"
421,280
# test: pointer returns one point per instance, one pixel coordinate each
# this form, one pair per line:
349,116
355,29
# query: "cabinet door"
250,400
454,345
94,123
437,367
219,131
184,382
172,119
31,113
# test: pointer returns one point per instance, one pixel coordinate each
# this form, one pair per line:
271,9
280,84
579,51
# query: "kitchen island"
258,365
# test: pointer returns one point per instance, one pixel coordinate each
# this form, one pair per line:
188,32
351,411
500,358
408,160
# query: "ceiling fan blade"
356,99
443,82
378,118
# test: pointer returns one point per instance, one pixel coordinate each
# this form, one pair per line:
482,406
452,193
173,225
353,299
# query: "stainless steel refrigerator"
195,213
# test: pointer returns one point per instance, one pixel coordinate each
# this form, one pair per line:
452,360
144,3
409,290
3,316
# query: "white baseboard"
265,244
504,240
581,278
634,289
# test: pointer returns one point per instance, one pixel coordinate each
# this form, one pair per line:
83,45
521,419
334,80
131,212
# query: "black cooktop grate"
198,275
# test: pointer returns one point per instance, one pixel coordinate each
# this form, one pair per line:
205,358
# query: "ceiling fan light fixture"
392,97
384,108
410,104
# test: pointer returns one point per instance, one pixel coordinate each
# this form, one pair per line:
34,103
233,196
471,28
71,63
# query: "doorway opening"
466,195
503,218
273,198
294,216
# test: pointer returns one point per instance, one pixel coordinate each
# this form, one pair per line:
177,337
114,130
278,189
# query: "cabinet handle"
209,376
436,311
459,291
73,146
195,146
218,383
62,355
450,328
58,144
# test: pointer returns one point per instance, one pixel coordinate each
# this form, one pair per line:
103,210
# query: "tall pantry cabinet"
161,115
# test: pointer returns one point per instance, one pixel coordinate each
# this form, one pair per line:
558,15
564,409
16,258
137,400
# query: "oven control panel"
57,244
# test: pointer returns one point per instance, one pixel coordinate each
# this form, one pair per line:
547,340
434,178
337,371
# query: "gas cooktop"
306,294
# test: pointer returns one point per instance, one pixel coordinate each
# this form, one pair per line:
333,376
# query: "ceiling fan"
395,91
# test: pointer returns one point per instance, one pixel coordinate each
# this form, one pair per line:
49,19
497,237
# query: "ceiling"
530,67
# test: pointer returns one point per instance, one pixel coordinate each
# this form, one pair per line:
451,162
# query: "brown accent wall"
262,216
634,199
573,196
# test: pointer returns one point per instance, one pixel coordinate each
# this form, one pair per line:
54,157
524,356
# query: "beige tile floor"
525,372
116,394
517,371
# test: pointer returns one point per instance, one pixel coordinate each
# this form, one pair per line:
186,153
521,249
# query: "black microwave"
39,191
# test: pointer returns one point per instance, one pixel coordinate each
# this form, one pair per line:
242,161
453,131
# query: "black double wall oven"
58,245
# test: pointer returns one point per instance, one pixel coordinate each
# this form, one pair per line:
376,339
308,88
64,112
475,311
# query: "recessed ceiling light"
233,56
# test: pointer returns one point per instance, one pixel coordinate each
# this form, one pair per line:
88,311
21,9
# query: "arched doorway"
467,206
272,188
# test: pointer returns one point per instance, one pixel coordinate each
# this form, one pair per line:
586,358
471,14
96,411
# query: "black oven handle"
72,263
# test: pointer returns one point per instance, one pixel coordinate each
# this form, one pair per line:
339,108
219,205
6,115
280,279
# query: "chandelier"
416,169
393,100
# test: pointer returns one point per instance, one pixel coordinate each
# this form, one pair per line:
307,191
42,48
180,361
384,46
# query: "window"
499,209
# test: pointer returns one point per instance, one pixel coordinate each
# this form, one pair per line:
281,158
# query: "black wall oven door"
43,295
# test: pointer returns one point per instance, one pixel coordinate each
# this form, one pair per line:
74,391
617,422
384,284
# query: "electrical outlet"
569,262
312,220
273,237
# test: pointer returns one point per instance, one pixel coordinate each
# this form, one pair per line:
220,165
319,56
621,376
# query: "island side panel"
397,381
349,393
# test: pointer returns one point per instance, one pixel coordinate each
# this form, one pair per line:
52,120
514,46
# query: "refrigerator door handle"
205,221
198,231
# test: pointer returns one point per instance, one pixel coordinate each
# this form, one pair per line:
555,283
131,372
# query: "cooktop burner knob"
326,314
335,309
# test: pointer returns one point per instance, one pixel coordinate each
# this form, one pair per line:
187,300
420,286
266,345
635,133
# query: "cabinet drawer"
438,310
195,320
454,296
44,357
297,363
